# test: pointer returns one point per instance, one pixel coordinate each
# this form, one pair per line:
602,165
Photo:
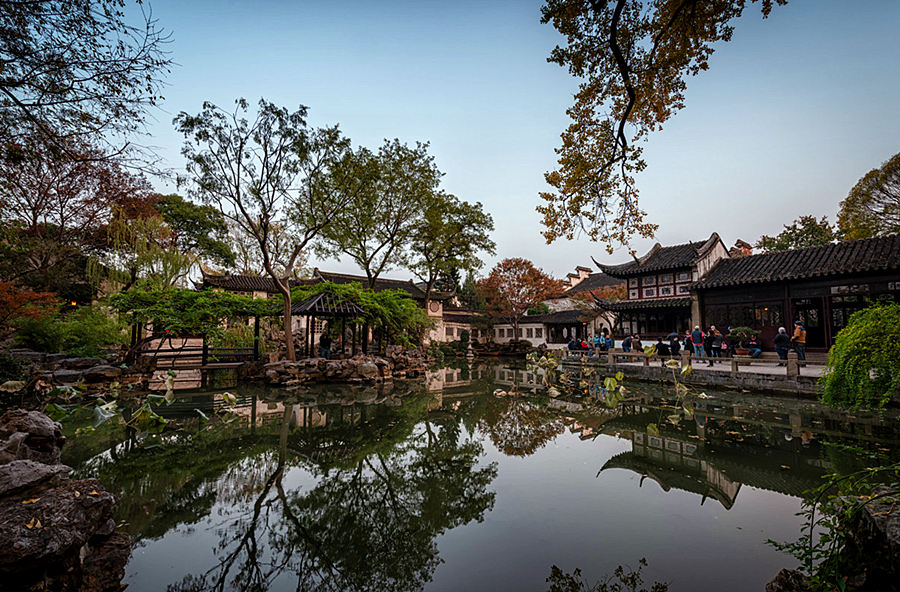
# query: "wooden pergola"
326,306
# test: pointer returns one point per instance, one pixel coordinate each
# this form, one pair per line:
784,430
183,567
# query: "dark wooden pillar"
256,338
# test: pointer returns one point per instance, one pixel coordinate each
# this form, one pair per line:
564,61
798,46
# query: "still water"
441,485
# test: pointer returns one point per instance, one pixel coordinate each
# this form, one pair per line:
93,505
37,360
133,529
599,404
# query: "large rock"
102,373
81,363
55,525
367,370
104,566
67,376
30,435
27,477
788,580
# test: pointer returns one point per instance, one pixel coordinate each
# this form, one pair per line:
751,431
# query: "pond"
442,485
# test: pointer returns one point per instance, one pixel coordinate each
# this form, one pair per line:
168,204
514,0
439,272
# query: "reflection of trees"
370,525
521,427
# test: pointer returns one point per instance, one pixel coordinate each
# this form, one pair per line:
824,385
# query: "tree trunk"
288,327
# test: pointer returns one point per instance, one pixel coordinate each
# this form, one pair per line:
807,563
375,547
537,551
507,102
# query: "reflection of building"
455,381
674,463
772,445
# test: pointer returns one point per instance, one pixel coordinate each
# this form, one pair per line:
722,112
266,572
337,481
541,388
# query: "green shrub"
10,368
864,363
44,334
86,331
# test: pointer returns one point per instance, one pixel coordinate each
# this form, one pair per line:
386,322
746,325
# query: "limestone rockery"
358,369
58,534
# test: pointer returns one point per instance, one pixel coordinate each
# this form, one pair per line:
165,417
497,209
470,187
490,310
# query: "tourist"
598,342
636,344
799,340
697,341
325,345
754,346
608,340
674,345
708,339
626,344
782,344
572,345
662,349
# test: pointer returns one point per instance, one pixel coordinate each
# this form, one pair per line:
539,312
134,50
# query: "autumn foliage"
514,285
18,301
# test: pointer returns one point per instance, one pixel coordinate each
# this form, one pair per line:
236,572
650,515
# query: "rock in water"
30,435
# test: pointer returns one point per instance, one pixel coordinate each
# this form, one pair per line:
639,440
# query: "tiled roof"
594,281
246,283
650,303
459,317
380,284
662,259
860,256
562,317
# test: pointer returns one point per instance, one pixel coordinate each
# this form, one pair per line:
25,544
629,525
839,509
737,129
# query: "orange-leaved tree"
514,285
17,301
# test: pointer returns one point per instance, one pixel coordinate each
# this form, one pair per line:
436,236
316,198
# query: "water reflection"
340,487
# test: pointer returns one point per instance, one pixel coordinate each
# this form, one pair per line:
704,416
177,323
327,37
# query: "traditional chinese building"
659,298
821,286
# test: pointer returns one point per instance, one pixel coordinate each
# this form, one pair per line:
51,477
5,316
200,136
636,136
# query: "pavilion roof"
326,305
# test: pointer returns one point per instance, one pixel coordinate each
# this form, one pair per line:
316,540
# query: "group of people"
601,342
709,344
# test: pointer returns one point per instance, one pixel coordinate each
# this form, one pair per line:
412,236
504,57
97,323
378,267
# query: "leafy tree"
198,228
864,363
513,286
144,250
266,173
805,231
390,190
448,237
633,57
872,208
54,208
78,68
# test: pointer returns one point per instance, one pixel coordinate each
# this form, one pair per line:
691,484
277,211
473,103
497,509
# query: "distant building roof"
562,317
594,282
661,258
859,256
246,283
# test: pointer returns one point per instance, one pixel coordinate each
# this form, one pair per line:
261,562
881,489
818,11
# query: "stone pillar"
646,360
734,364
793,365
685,357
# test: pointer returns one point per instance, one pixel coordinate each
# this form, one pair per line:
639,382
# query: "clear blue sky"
791,113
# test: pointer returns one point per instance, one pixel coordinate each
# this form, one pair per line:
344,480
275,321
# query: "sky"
790,114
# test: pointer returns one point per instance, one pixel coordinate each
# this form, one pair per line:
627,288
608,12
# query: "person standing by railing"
697,342
782,344
799,340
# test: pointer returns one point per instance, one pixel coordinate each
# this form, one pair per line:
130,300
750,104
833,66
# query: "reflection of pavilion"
713,462
673,463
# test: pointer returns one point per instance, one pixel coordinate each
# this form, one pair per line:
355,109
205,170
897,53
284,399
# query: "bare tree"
270,176
78,69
